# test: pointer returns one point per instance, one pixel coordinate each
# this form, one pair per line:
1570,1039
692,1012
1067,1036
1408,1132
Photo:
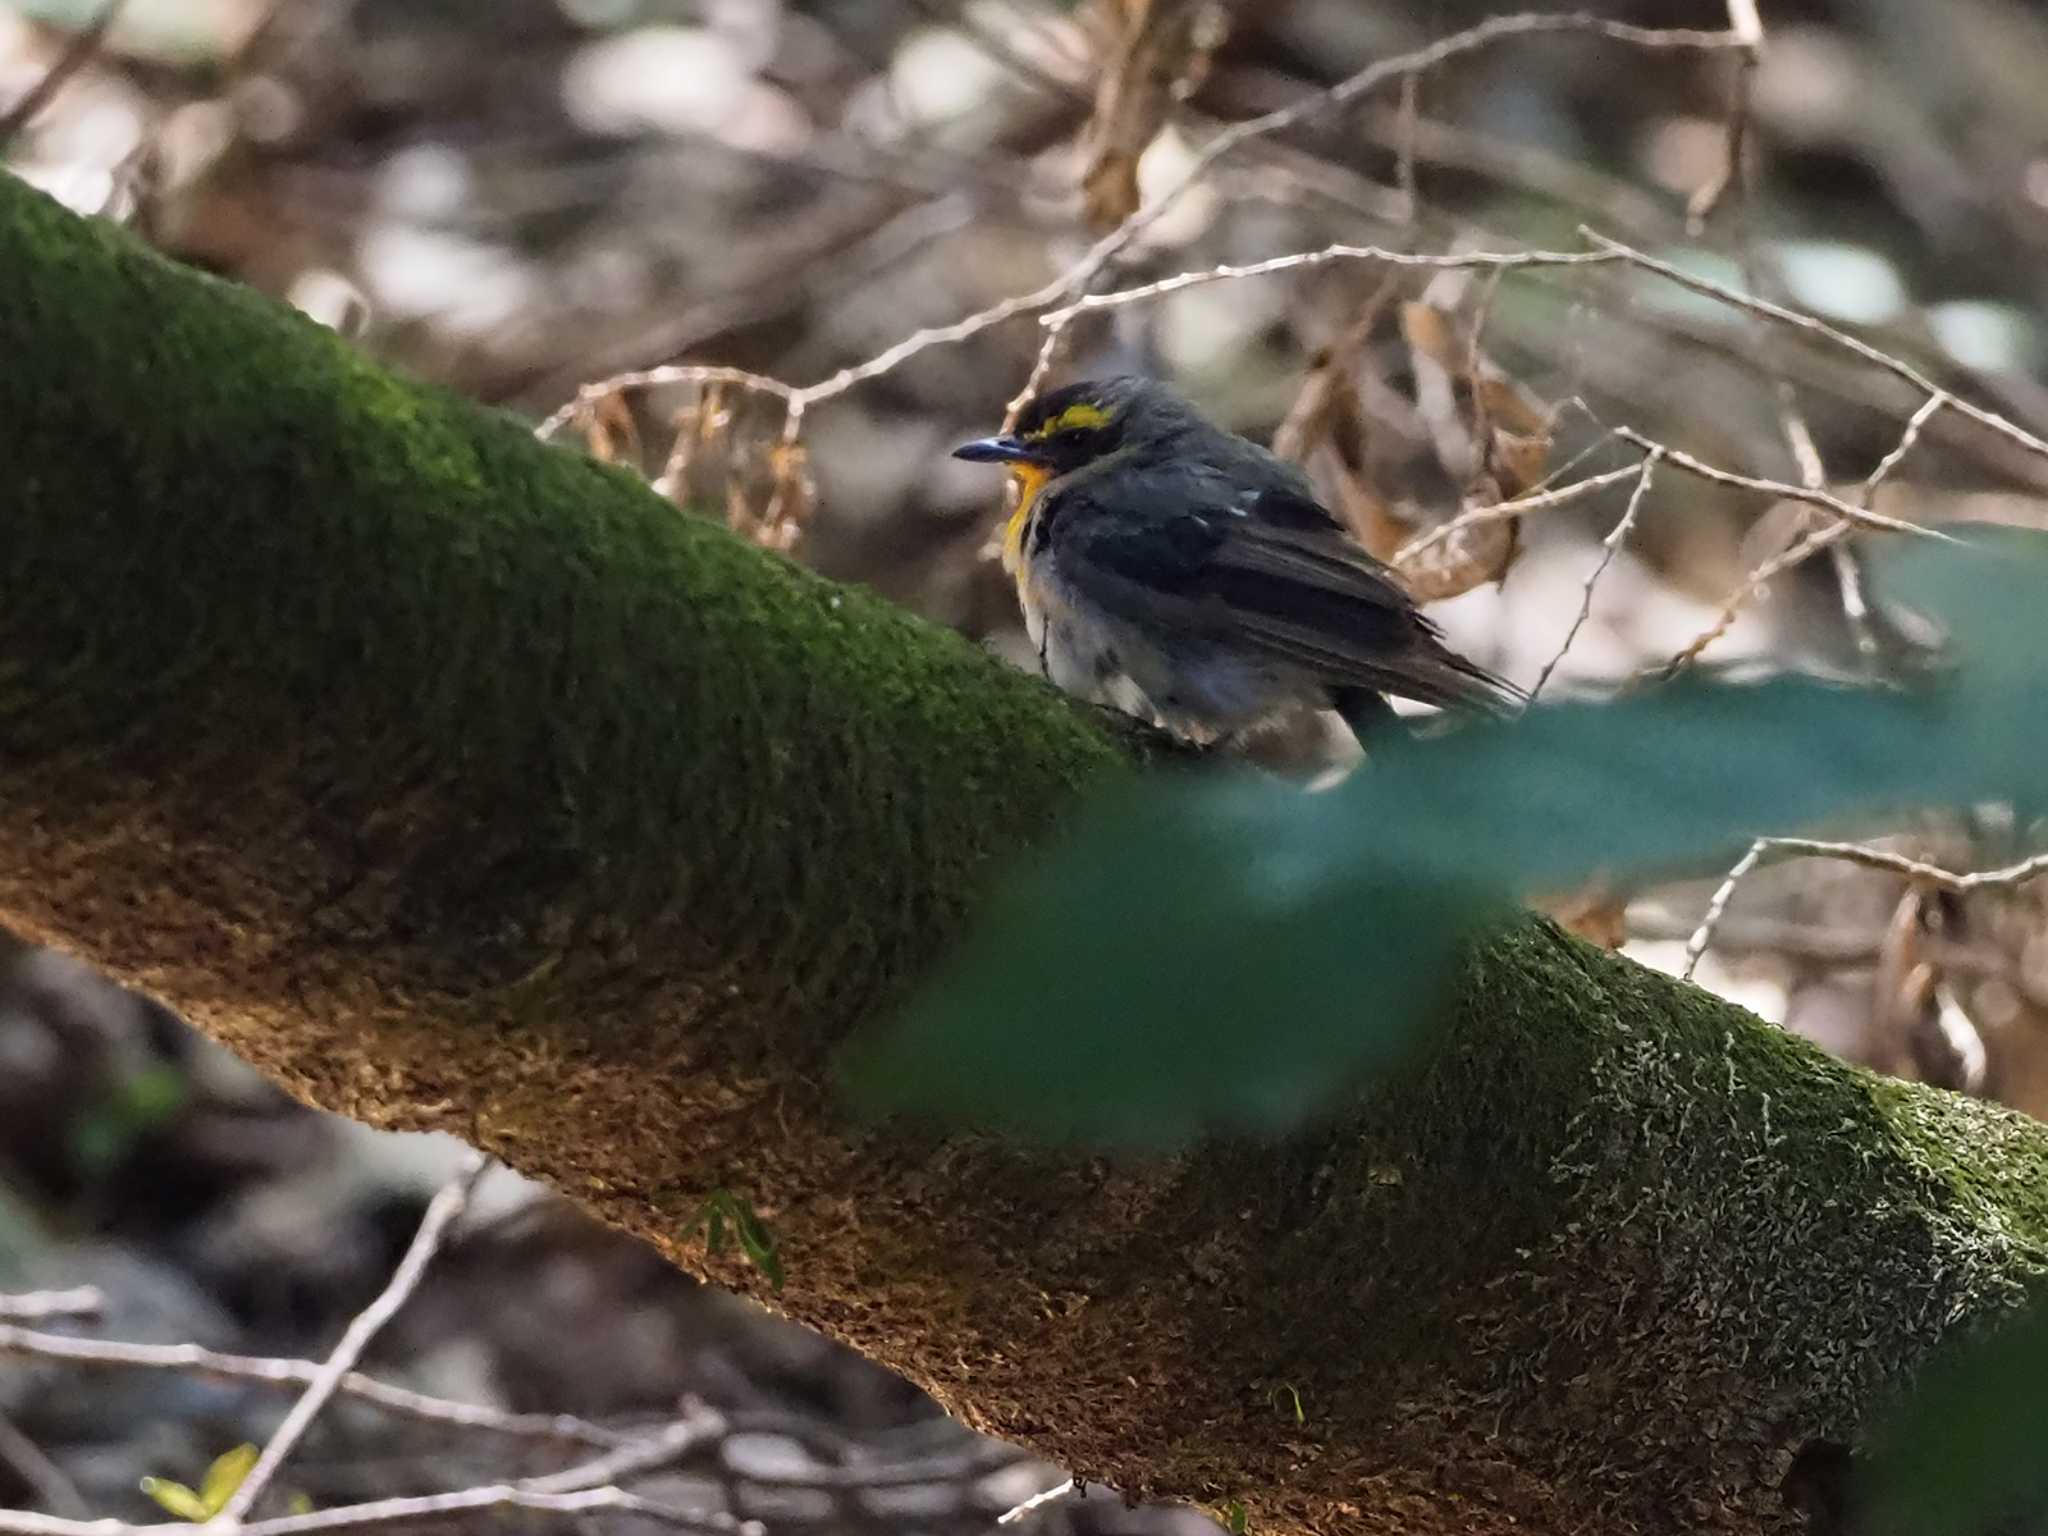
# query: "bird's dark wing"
1268,571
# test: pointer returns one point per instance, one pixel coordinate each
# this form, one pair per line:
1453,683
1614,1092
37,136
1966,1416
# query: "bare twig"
1717,905
1609,546
1847,511
698,1426
1745,25
1048,353
654,378
1404,154
1037,1501
35,1306
441,1213
1896,366
1910,869
1799,550
1535,501
1500,261
437,1506
76,55
1821,945
1746,28
1917,870
432,1506
1076,278
58,1493
261,1371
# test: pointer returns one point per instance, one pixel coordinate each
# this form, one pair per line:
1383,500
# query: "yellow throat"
1030,480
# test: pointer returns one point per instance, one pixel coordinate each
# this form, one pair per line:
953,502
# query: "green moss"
421,593
1990,1165
1605,1199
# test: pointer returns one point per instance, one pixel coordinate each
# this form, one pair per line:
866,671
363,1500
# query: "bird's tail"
1440,677
1465,685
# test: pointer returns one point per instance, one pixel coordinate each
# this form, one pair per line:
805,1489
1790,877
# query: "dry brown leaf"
1327,431
1158,51
610,432
1519,462
1364,511
1518,435
1443,394
1491,436
1488,438
791,495
1510,407
1469,558
1919,1013
1596,912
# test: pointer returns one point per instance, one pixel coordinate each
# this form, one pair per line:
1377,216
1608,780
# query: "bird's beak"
998,450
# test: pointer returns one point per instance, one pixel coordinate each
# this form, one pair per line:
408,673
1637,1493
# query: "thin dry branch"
1746,27
1812,543
404,1511
23,1457
697,1427
1849,512
1609,547
1496,261
35,1306
1037,1501
263,1371
1076,278
76,55
442,1211
701,374
1812,326
1717,905
1048,354
1535,501
1916,870
1910,869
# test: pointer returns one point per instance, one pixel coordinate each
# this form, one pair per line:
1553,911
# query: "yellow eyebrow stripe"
1081,415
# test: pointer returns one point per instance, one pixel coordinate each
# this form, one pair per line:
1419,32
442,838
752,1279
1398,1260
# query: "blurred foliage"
728,1220
1233,954
136,1105
1965,1456
227,1472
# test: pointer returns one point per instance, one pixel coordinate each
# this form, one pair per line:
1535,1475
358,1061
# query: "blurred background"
519,198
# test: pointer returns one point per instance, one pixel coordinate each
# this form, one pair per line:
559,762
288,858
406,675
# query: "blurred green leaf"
137,1104
175,1497
228,1472
758,1244
1229,954
1963,1457
1291,1397
725,1216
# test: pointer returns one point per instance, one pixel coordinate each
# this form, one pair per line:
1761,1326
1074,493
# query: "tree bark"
461,782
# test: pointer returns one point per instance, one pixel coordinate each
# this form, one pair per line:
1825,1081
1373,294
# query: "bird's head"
1065,428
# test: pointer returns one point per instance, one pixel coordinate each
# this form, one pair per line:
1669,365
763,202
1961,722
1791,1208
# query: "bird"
1185,575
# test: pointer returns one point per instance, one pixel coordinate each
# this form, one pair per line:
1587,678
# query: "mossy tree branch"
461,782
